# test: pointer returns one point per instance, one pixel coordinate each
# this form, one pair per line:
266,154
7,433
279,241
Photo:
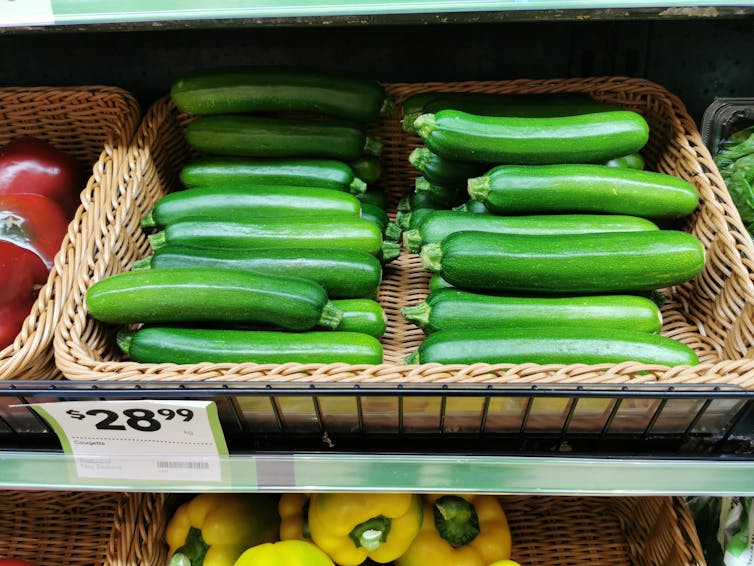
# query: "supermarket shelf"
413,473
550,439
150,14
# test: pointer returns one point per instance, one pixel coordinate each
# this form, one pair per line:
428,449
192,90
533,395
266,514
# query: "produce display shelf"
621,439
164,14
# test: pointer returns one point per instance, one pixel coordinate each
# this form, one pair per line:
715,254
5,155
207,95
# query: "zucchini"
447,195
437,225
630,161
374,196
361,315
440,171
276,232
390,230
263,201
368,168
528,189
551,345
301,172
209,294
415,201
484,104
587,138
271,89
342,273
254,136
607,262
436,282
454,309
196,345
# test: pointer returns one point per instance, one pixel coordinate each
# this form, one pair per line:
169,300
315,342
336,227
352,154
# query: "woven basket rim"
31,350
732,372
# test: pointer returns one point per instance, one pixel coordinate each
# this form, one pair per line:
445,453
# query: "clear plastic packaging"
724,117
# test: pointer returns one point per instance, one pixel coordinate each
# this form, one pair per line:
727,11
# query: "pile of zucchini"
273,253
559,252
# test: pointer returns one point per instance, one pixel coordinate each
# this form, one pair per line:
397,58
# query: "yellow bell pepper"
351,527
213,529
284,553
294,509
460,530
505,563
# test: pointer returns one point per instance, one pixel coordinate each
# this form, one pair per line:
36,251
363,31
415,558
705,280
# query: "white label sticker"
25,12
140,440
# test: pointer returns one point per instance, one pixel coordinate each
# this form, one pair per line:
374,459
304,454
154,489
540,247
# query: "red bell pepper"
33,222
21,272
14,562
32,165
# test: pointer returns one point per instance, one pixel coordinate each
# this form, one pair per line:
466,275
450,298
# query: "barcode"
183,465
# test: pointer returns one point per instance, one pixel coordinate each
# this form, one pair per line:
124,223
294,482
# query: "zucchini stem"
425,125
390,251
331,316
393,231
387,107
148,221
412,240
404,205
413,358
372,146
408,121
357,186
142,264
419,158
422,185
403,219
431,255
479,188
417,314
124,339
157,240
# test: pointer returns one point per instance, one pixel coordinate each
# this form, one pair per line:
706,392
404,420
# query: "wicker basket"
94,124
617,531
712,314
71,528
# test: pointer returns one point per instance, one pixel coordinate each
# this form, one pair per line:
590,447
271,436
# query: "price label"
140,440
26,13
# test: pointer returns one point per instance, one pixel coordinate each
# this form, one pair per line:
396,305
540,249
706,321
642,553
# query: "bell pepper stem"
192,552
456,520
371,534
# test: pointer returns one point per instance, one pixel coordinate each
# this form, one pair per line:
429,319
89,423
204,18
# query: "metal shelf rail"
640,439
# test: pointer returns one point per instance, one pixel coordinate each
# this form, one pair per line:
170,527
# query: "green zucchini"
279,89
208,294
196,345
607,262
368,168
531,189
440,171
254,136
361,315
586,138
630,161
447,195
301,172
415,201
342,273
551,345
276,232
263,201
454,309
374,196
437,225
484,104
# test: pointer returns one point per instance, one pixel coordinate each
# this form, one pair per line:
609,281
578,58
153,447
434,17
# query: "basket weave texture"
712,314
617,531
94,124
71,528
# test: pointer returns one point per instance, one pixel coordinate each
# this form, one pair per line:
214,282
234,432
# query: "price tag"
140,440
25,13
